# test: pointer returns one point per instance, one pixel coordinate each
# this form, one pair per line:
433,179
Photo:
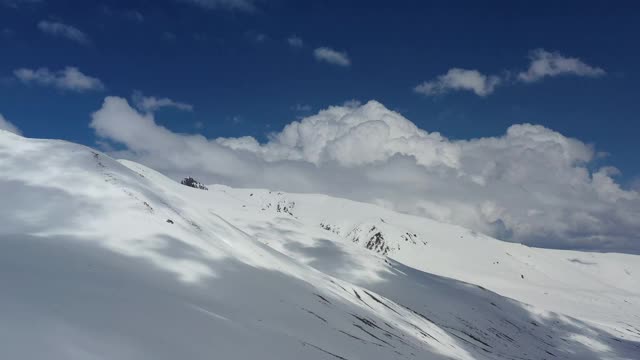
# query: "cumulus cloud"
295,41
542,64
242,5
8,126
152,104
331,56
119,122
530,185
460,80
59,29
70,78
550,64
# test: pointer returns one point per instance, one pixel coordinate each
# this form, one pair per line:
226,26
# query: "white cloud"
543,64
530,185
332,56
63,30
8,126
242,5
550,64
70,78
151,104
460,80
295,41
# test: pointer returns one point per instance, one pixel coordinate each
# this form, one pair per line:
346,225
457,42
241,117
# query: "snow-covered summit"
106,259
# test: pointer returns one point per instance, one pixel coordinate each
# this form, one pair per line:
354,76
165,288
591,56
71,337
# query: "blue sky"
237,69
233,92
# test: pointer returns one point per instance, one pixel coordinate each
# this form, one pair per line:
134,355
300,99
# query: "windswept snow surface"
105,259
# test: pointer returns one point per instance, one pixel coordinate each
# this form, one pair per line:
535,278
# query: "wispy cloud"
352,103
150,104
258,37
240,5
459,80
331,56
551,64
169,36
16,3
295,41
133,15
542,64
127,14
59,29
301,108
70,78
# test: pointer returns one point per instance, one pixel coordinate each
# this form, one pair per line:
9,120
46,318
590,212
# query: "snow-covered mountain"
600,287
106,259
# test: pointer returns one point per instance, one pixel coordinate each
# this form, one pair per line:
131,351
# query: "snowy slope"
101,259
600,287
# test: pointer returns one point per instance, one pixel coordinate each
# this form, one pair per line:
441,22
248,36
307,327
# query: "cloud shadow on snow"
104,296
462,309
